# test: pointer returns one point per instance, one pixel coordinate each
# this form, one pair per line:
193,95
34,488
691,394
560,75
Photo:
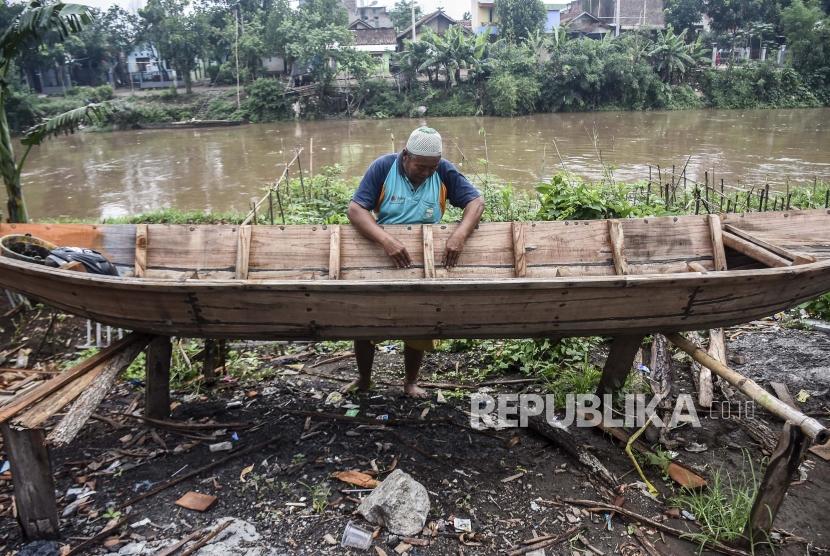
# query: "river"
98,175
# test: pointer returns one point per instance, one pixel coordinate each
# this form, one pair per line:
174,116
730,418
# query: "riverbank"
758,85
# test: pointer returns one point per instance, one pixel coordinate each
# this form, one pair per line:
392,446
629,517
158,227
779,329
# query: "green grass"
722,509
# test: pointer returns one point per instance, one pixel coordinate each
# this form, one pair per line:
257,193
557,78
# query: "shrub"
266,101
511,95
756,85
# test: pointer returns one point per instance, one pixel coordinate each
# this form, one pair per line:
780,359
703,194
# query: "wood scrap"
207,538
783,393
595,507
173,548
565,440
662,375
195,472
98,537
88,401
49,387
546,543
183,425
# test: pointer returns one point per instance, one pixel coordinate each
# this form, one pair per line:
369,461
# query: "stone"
399,503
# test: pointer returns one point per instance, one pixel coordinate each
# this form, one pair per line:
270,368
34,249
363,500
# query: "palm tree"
37,25
671,55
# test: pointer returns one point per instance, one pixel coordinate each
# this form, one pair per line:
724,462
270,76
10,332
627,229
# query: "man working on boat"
411,188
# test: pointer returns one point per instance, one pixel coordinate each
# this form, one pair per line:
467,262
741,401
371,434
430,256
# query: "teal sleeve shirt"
385,190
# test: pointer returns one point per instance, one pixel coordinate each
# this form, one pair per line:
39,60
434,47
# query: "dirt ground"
510,483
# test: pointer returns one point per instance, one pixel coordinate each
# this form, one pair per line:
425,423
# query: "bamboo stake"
811,427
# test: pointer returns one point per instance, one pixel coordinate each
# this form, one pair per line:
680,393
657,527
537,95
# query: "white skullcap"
424,141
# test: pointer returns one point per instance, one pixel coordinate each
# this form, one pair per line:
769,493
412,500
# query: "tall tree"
684,14
318,36
520,18
807,29
37,25
401,14
178,34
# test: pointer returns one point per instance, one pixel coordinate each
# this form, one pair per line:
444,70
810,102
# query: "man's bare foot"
414,391
363,384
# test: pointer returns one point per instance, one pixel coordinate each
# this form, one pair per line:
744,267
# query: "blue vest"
401,203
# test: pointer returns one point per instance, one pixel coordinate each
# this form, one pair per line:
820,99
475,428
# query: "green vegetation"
520,70
722,509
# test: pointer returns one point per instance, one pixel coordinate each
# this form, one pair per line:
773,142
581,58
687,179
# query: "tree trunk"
188,83
16,207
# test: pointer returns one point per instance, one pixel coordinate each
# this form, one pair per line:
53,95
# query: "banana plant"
38,24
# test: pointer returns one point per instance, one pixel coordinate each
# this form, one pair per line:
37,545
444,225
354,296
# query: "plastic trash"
356,537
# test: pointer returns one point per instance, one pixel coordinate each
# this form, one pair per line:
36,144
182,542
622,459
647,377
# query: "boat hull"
333,310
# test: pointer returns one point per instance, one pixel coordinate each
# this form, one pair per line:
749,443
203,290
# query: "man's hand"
397,252
455,244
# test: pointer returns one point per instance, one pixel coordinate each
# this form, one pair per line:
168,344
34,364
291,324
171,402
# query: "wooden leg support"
34,487
783,464
157,392
209,362
619,363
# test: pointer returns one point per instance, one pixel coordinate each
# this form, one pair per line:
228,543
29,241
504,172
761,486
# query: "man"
411,188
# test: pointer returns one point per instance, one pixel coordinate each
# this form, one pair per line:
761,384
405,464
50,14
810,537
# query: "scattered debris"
196,501
355,537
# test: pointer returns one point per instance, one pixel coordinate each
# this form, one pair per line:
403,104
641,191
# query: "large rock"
399,503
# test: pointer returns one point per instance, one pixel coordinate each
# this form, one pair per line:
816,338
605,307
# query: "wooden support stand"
34,487
157,392
619,363
783,464
209,362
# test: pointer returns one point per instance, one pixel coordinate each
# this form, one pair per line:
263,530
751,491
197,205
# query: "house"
380,43
633,14
584,24
484,16
438,22
375,15
147,69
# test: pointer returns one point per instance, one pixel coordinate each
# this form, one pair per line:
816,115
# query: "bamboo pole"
751,389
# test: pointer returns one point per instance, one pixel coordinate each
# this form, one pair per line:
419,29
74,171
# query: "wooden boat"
531,279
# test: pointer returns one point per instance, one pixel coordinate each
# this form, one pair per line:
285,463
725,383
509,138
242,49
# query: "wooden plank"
204,250
666,245
34,486
695,266
334,252
141,239
620,359
781,470
429,252
798,231
243,252
53,385
617,238
41,411
754,251
290,253
802,258
157,389
519,256
209,362
718,253
115,241
88,401
568,249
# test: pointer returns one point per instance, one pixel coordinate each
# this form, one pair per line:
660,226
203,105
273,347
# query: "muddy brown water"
96,175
